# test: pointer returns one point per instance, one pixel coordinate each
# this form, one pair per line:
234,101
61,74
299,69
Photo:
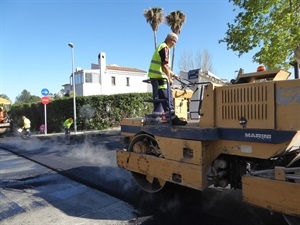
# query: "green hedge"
93,112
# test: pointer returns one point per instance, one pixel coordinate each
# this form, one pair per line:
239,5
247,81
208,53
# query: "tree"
272,26
175,21
26,97
202,60
154,16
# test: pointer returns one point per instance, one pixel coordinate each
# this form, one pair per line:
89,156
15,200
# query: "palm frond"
154,16
175,21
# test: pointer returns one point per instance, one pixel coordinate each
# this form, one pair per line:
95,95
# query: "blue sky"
34,37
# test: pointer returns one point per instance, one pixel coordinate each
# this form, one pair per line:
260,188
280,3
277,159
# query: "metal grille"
250,102
255,103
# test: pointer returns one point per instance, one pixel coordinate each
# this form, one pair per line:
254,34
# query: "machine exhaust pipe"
295,64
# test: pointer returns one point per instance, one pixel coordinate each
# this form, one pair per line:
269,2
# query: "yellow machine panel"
168,170
275,195
181,150
181,99
207,118
254,103
287,105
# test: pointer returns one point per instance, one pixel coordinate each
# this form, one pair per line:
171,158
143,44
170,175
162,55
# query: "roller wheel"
146,144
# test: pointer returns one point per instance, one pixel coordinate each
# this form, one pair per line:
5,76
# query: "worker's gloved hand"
175,87
175,76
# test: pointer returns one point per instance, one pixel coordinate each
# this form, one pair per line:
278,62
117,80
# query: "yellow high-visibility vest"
27,123
155,70
68,123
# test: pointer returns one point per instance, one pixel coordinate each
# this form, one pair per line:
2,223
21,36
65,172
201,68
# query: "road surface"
90,160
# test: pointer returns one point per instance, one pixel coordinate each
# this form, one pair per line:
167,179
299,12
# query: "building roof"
121,68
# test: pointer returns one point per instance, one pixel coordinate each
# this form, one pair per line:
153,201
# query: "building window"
113,81
127,81
88,78
78,78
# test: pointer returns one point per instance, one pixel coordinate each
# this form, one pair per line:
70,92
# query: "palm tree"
175,20
154,16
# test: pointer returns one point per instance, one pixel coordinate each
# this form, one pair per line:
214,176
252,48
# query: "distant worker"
26,127
67,124
1,115
160,68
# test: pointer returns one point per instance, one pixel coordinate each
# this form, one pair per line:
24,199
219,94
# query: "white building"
104,79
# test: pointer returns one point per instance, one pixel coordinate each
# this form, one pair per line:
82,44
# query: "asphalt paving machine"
5,125
247,137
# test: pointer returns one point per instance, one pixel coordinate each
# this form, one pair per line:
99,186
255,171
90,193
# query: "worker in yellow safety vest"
67,124
159,74
26,127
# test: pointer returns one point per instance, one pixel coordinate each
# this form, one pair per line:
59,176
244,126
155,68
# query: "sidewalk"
31,194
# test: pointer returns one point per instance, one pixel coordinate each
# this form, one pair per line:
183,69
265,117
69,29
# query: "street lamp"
73,81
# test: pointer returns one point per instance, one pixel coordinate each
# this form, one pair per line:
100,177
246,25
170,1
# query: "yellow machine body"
247,137
5,126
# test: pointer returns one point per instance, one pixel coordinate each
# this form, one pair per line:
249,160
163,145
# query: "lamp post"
73,81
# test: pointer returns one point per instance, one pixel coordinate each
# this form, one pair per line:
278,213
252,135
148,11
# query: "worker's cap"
172,36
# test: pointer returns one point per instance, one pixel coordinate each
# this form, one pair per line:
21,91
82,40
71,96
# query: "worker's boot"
158,117
179,122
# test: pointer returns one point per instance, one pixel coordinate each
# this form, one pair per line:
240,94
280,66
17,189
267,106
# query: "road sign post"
45,100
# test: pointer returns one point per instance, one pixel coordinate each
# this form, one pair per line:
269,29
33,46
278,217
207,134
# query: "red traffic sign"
45,100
